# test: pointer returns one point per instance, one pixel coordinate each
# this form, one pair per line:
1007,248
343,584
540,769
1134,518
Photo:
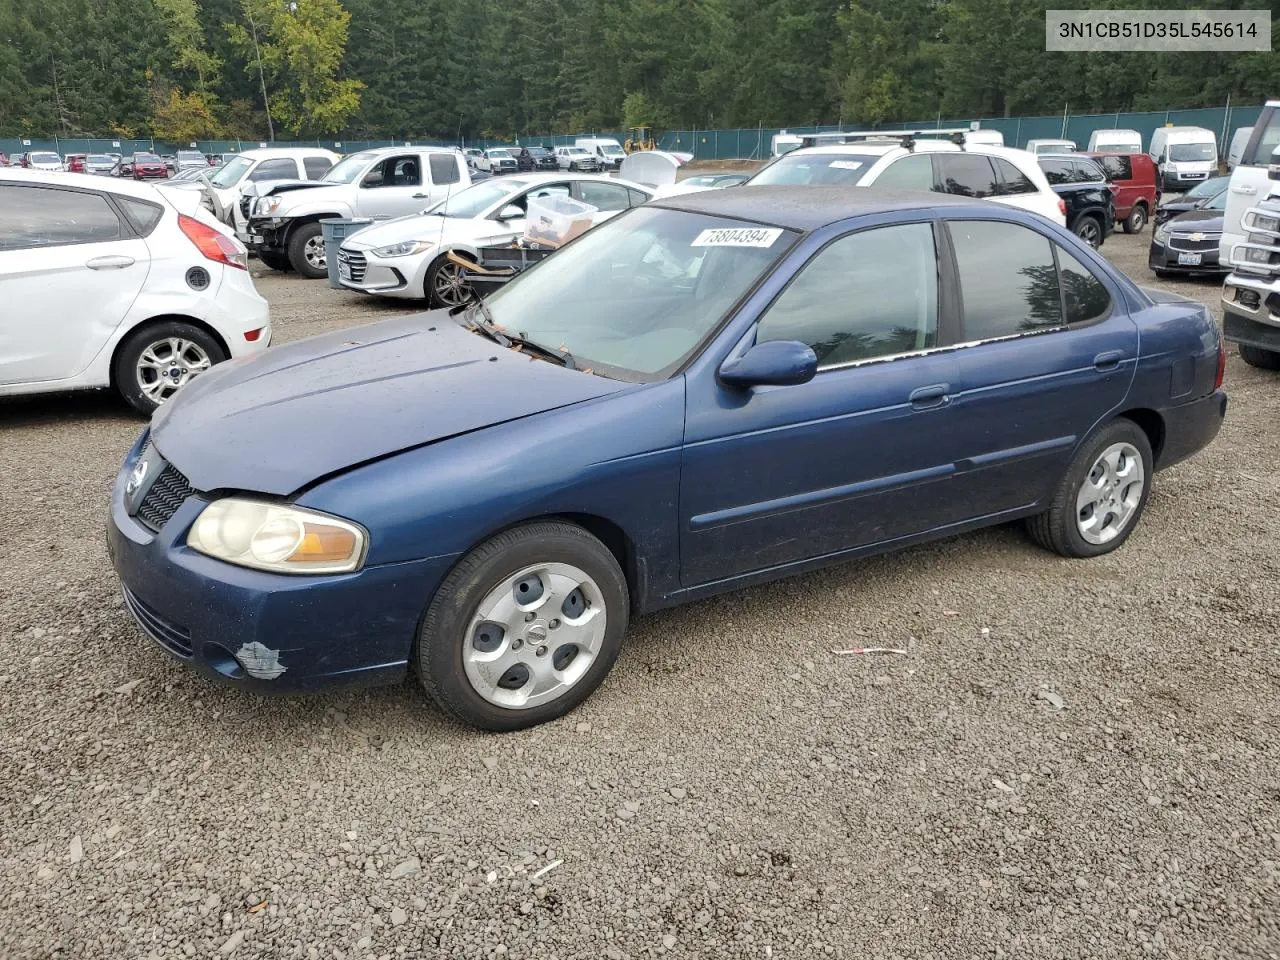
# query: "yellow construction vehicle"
641,139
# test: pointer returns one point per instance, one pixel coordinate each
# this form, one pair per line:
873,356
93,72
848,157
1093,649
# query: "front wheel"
1089,230
1260,358
1136,220
306,251
1099,500
157,361
446,286
525,627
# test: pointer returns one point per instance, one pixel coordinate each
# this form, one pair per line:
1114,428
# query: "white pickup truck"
1250,246
284,218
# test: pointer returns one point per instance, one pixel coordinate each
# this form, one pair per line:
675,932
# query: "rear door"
1049,351
70,269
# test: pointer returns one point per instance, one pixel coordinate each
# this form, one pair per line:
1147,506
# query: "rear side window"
1084,298
1008,279
1057,172
967,175
1118,168
908,173
316,167
869,294
143,214
605,197
45,217
1012,180
636,197
444,169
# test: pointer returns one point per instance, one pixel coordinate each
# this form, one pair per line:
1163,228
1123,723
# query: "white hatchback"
978,171
118,284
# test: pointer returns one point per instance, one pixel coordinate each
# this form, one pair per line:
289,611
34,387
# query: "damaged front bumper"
274,633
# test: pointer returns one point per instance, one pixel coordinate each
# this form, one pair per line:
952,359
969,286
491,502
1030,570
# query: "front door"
857,456
1050,352
393,188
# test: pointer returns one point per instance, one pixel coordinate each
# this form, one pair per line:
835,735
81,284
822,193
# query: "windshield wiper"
480,318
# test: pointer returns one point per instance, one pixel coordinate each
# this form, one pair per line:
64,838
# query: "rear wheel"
1100,499
157,361
525,627
1089,230
1136,220
306,251
1257,357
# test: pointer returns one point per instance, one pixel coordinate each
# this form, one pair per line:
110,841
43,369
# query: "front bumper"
324,631
401,277
1172,260
1190,427
1175,182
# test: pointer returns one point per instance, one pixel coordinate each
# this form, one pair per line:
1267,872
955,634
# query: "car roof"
807,208
533,179
270,153
128,188
881,148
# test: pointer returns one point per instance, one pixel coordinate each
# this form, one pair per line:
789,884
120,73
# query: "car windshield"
830,169
475,200
1190,152
1217,202
612,150
190,155
45,158
499,155
98,158
230,175
539,152
576,150
1209,188
349,168
635,297
145,158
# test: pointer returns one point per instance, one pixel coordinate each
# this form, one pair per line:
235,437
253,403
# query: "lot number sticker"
845,165
736,237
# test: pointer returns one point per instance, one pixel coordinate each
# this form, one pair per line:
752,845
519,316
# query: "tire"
450,657
276,260
1089,229
1258,357
1136,220
142,365
1059,528
303,255
443,285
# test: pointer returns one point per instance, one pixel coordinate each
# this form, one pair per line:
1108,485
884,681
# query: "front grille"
1180,241
164,498
352,265
174,638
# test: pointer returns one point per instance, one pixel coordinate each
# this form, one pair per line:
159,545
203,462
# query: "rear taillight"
1222,367
1062,206
213,244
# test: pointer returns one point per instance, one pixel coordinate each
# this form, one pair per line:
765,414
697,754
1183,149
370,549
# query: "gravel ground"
734,790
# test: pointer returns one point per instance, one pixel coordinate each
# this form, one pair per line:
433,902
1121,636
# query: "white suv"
116,283
980,171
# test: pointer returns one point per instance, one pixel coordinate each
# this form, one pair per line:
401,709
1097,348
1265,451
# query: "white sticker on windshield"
736,237
846,164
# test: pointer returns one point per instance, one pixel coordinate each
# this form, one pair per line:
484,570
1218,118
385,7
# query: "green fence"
742,143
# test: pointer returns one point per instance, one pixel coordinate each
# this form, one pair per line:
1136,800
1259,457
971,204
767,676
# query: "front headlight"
266,206
1161,236
406,248
278,538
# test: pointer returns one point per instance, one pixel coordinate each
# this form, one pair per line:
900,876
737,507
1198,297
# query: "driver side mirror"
372,179
775,363
511,212
1273,171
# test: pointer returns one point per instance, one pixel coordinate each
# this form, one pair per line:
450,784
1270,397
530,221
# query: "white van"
784,142
605,149
1239,140
1115,141
1184,156
1038,147
992,138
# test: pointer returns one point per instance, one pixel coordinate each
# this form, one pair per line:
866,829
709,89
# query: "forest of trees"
198,69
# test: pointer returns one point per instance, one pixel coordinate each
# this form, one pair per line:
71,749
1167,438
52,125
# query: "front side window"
635,297
869,294
47,217
1008,279
815,169
908,173
279,169
399,172
967,175
444,168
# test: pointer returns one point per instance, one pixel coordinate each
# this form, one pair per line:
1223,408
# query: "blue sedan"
705,393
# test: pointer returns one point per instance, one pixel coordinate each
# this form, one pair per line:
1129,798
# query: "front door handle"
109,263
927,398
1108,360
420,196
1246,189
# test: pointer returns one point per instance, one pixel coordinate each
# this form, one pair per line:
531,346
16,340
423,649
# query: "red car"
1134,185
147,166
4,160
75,162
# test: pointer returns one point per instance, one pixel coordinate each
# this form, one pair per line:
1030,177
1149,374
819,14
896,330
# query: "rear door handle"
1246,189
109,263
1108,360
934,395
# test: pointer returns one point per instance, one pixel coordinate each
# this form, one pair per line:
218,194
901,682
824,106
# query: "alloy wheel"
167,365
313,250
449,285
1110,494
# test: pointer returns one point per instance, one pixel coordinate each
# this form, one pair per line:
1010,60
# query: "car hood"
442,231
1205,221
280,420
